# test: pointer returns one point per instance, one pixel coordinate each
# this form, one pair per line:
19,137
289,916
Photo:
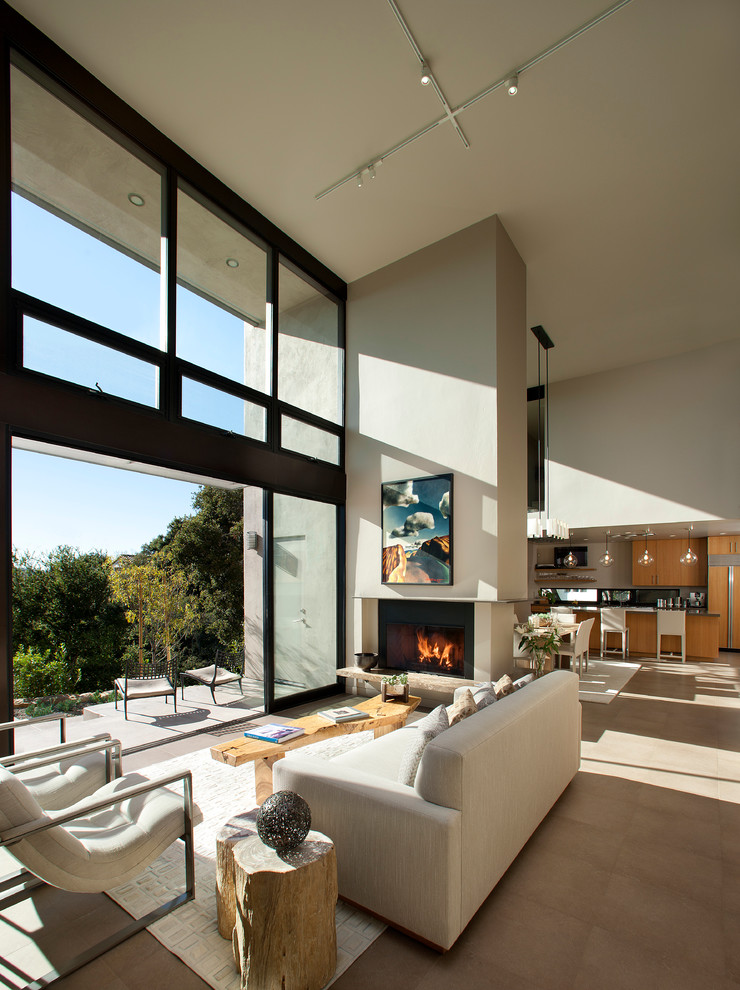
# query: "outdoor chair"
149,680
221,672
60,776
97,845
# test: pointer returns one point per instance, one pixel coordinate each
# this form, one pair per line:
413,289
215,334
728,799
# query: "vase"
394,692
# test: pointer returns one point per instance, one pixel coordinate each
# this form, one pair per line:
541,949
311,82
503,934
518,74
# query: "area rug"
191,932
604,679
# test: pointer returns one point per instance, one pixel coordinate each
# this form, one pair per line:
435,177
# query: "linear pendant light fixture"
510,80
552,528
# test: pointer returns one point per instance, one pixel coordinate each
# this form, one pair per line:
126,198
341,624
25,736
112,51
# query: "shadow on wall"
664,431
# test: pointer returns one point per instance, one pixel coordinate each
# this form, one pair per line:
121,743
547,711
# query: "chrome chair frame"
28,881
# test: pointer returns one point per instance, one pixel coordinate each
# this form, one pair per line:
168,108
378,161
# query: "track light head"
426,75
512,84
359,180
371,171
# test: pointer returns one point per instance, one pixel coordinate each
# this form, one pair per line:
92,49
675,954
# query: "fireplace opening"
427,637
428,649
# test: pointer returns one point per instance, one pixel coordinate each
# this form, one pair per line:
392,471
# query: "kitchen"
644,572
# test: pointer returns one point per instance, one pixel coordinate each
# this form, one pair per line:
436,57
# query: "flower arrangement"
394,686
540,639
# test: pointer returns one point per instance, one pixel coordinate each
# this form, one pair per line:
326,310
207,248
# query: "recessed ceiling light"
232,262
135,199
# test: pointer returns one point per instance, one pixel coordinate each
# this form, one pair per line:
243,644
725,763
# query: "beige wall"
436,384
651,443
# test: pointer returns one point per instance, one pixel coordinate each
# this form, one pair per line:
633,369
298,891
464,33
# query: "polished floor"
632,881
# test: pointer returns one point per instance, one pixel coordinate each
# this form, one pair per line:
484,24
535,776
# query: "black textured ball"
284,820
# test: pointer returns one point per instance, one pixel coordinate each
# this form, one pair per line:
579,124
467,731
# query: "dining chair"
577,650
614,622
671,624
97,845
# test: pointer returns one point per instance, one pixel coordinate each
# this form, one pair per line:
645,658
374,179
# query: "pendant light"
645,558
570,559
606,559
689,557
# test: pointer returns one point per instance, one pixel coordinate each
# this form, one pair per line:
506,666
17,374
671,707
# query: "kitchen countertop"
647,608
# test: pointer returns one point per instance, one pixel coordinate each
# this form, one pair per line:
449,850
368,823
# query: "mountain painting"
417,531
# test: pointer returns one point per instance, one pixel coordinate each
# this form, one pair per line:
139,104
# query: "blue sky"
60,501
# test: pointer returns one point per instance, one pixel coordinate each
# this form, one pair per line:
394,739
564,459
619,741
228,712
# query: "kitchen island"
702,632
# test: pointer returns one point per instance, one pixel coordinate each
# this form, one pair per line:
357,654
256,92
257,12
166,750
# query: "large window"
154,316
86,217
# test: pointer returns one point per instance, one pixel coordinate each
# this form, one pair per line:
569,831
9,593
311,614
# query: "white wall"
650,443
436,351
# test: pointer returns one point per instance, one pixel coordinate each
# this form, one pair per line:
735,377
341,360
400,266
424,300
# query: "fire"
430,650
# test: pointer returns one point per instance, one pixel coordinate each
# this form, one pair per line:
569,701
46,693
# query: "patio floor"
152,721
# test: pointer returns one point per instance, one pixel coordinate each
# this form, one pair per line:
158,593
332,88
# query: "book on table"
343,714
274,732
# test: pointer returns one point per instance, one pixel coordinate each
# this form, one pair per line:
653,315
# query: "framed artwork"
417,531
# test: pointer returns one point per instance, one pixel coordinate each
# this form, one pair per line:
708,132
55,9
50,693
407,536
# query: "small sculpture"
284,820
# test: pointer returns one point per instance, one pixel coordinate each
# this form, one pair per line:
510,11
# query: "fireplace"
426,637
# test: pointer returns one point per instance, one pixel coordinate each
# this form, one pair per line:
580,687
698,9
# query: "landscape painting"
417,531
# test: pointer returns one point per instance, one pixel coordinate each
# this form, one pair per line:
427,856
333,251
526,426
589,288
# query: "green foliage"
395,679
157,600
36,675
39,709
62,604
209,548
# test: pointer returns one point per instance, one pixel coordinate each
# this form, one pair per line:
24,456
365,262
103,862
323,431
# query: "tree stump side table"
285,931
237,828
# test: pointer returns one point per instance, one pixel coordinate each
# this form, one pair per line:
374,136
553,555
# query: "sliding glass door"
305,596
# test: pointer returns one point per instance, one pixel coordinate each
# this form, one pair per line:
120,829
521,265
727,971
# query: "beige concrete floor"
632,881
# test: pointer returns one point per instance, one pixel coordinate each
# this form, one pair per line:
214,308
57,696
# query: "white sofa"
424,858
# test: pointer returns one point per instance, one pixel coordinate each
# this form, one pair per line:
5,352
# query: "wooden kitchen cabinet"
724,544
667,571
642,575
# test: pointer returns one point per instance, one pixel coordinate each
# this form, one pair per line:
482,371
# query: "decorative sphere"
284,820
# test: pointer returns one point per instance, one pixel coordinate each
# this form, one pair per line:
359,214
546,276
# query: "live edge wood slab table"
384,716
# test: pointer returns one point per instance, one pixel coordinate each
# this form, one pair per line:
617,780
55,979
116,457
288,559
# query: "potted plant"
394,687
541,641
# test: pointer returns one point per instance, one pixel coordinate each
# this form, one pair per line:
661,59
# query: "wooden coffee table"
384,716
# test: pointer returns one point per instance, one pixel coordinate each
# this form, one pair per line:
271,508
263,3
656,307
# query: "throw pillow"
434,722
462,707
429,727
484,694
504,685
521,681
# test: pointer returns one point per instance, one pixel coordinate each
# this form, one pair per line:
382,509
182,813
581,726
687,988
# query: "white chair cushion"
102,850
62,784
144,687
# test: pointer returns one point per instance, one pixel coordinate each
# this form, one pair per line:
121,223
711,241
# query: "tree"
209,547
62,603
158,601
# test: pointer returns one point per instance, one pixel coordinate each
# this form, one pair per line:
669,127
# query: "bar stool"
672,624
614,620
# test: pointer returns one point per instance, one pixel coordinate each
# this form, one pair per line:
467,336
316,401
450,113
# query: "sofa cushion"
380,757
424,731
521,682
463,706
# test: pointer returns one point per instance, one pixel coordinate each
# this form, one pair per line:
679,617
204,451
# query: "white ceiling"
614,169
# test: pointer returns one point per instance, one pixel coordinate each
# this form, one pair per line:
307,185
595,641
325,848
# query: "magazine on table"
343,714
274,732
